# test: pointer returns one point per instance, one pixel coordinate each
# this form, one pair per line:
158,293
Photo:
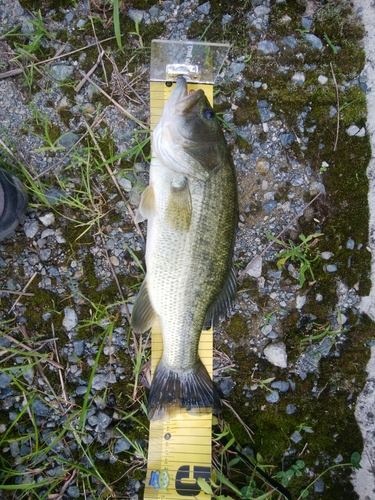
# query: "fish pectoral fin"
178,212
147,205
143,315
224,300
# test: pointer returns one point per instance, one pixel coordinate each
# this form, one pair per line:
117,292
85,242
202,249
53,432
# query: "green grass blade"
116,23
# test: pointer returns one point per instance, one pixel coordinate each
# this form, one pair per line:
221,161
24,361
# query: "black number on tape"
186,481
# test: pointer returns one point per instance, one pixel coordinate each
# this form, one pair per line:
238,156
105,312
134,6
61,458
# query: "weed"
324,167
322,331
137,33
37,35
267,318
328,40
257,485
299,253
44,122
116,23
294,470
263,384
354,462
304,427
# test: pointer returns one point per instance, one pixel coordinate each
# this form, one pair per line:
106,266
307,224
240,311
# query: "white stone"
354,130
261,10
70,320
362,132
31,228
47,232
300,301
114,260
124,183
47,219
322,79
326,255
255,267
276,354
299,78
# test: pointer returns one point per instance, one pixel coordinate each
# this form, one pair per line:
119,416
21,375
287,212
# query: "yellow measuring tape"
179,450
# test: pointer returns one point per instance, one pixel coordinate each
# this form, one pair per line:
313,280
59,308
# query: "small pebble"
270,206
319,486
307,22
287,139
204,8
276,354
268,47
353,130
103,421
114,260
73,492
273,397
70,320
326,255
291,409
226,386
255,268
350,244
125,183
121,445
331,268
280,385
40,408
296,437
299,78
338,459
300,301
31,228
5,380
99,382
290,41
314,41
47,219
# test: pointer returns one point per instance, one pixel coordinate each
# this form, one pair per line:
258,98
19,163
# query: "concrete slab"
364,479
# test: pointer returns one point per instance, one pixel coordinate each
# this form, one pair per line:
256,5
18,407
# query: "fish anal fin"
171,390
224,300
147,205
143,315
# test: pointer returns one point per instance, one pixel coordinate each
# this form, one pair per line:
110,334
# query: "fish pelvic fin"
147,205
172,390
143,315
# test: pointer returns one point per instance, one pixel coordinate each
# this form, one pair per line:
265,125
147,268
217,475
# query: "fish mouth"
184,102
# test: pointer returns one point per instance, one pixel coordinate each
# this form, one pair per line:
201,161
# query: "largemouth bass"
191,207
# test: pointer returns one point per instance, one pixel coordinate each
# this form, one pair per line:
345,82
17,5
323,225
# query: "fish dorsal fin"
143,315
147,205
178,212
224,299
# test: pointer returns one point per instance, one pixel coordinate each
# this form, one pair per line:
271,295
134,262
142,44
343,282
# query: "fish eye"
209,114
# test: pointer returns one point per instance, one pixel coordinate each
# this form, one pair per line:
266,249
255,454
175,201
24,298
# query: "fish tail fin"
192,389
